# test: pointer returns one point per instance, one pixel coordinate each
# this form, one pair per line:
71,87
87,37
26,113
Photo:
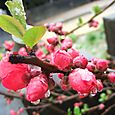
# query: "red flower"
82,81
61,59
14,76
37,88
73,52
102,64
111,77
80,61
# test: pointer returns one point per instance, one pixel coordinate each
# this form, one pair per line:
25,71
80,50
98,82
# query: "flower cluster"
75,70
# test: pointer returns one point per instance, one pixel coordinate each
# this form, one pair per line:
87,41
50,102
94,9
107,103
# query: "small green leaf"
77,111
33,35
17,10
80,21
69,112
96,9
11,25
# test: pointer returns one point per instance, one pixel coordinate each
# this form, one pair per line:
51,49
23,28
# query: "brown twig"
91,18
10,95
33,60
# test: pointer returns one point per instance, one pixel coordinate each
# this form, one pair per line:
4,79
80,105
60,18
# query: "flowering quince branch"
33,60
92,18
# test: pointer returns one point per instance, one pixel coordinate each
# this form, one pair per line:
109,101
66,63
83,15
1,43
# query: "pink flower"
66,43
78,104
39,54
52,40
22,51
111,77
14,76
9,45
59,25
102,64
80,61
37,88
61,59
82,81
73,52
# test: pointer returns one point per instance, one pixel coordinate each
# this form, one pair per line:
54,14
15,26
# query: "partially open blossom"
66,43
14,76
9,45
73,52
82,81
37,88
111,77
61,59
80,61
22,51
60,75
101,64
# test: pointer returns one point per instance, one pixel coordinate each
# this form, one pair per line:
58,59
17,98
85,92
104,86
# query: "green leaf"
11,25
80,21
33,35
96,9
17,10
77,111
69,112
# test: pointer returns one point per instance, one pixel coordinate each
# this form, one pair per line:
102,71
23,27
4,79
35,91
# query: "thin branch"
92,18
108,109
10,95
33,60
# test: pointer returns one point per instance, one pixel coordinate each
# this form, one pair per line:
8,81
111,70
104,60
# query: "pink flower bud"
111,77
94,24
59,25
22,51
9,45
78,104
37,88
52,40
80,61
12,112
50,48
62,59
66,43
73,52
99,85
14,76
21,110
39,54
82,81
102,65
60,75
91,67
101,106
